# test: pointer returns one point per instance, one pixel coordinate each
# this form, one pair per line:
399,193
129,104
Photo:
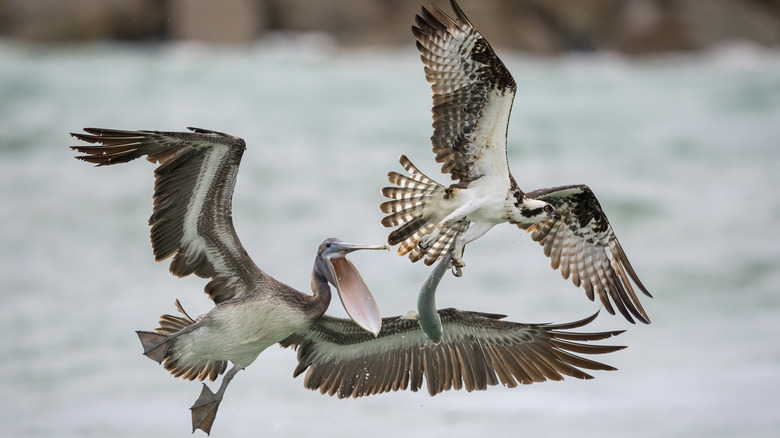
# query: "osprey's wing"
193,191
477,350
583,245
472,97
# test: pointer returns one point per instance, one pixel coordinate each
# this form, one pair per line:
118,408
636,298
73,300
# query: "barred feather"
401,217
410,210
582,244
443,244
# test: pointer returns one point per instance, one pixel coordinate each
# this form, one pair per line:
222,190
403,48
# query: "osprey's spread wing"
472,97
193,191
477,350
582,244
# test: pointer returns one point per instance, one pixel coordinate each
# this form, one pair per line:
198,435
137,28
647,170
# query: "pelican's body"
239,331
473,94
353,357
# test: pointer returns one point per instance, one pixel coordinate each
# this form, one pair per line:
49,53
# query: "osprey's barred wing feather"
583,245
477,350
193,191
472,97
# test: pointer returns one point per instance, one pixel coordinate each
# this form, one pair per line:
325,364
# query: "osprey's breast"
493,206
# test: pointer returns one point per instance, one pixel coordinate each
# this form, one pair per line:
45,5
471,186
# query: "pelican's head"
360,305
533,211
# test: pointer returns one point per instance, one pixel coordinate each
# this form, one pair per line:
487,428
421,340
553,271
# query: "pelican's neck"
318,302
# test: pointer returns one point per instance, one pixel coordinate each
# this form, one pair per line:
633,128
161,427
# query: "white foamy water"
683,152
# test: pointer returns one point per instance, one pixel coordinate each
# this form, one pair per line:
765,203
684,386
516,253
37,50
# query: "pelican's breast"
239,331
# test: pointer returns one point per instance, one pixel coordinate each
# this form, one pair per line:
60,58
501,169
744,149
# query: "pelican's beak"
355,296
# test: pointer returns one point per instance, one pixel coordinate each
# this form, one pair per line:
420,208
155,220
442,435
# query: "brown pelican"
472,100
192,222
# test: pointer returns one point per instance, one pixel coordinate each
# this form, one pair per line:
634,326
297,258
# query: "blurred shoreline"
538,26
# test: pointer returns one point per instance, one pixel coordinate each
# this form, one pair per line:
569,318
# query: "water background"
682,150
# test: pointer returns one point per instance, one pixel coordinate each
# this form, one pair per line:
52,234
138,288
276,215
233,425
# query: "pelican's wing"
477,350
193,191
583,245
472,97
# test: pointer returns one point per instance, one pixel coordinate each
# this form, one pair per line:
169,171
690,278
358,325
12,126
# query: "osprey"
472,99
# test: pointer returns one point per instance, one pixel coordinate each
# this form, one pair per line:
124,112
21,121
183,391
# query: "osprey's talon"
456,271
456,264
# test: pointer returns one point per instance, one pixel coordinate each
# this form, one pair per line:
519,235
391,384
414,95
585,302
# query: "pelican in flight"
472,99
364,355
192,221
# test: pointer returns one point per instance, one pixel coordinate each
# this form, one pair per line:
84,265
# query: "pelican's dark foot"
204,411
155,345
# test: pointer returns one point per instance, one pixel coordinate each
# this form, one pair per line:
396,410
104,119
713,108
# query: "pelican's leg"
477,230
204,411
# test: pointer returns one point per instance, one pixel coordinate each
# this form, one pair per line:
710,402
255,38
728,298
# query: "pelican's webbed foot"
155,345
204,411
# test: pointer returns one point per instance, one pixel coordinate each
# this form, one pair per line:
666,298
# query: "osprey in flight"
472,100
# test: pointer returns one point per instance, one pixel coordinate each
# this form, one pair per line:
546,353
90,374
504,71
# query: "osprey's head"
533,211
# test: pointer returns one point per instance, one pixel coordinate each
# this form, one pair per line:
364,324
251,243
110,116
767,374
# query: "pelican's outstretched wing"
582,244
477,350
472,97
193,191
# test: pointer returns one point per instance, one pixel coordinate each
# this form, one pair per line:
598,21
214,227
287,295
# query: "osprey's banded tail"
410,211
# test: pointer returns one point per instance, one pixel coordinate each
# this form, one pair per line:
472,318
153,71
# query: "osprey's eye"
547,208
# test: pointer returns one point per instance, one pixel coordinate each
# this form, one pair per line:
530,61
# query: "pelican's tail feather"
160,346
410,210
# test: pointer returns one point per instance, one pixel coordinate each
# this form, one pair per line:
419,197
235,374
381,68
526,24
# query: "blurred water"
683,152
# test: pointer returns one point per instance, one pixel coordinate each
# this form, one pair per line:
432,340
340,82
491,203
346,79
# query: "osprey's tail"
410,211
160,345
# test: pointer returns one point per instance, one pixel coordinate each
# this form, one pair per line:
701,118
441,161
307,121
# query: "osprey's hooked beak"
355,296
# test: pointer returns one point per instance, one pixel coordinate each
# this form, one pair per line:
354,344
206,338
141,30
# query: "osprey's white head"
533,211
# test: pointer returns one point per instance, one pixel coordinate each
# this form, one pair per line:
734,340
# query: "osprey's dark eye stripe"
532,212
